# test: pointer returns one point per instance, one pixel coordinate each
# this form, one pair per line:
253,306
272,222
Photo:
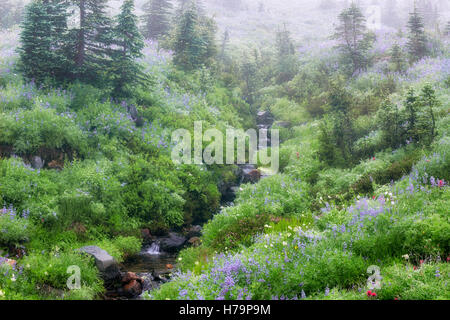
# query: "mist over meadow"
114,118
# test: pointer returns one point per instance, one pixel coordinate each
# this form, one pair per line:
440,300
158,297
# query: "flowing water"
150,260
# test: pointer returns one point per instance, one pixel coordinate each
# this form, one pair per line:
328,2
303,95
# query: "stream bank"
154,265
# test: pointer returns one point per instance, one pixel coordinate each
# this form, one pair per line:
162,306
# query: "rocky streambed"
154,265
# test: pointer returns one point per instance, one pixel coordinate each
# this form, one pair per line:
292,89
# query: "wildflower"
13,278
2,294
406,257
183,293
441,183
284,243
196,263
369,293
179,259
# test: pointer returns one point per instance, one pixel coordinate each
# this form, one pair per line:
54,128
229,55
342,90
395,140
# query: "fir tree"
417,40
355,40
286,59
225,40
411,107
93,39
42,51
10,13
397,61
447,29
129,42
389,122
194,40
340,104
157,18
429,100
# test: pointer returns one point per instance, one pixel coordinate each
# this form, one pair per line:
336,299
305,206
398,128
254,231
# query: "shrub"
50,268
14,228
29,130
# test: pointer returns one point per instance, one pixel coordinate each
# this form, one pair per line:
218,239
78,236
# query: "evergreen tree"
286,58
411,107
340,103
10,13
93,39
397,61
129,44
225,40
42,51
194,41
389,122
157,18
417,40
429,101
355,40
447,29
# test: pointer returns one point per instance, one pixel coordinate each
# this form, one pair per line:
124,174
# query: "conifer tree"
411,107
447,29
355,40
389,122
194,40
127,72
417,40
44,29
93,39
397,61
157,18
225,40
10,13
286,59
429,101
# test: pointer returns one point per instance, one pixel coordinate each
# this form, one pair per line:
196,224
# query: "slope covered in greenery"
85,152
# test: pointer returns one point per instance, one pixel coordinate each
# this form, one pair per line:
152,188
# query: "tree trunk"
81,44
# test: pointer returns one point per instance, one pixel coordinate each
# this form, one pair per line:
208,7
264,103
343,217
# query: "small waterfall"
154,249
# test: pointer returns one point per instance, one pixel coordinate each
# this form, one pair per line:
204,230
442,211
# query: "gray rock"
172,243
194,231
37,163
264,118
283,124
102,258
106,264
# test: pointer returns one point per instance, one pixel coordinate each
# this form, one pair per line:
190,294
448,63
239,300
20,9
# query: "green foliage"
126,72
51,269
43,41
194,40
157,20
417,40
27,131
14,229
355,40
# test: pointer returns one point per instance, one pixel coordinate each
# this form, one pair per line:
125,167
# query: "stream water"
151,261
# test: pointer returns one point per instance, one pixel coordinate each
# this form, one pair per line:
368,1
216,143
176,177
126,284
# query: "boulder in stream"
106,264
172,243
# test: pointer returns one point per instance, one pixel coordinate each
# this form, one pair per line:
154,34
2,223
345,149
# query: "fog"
254,22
